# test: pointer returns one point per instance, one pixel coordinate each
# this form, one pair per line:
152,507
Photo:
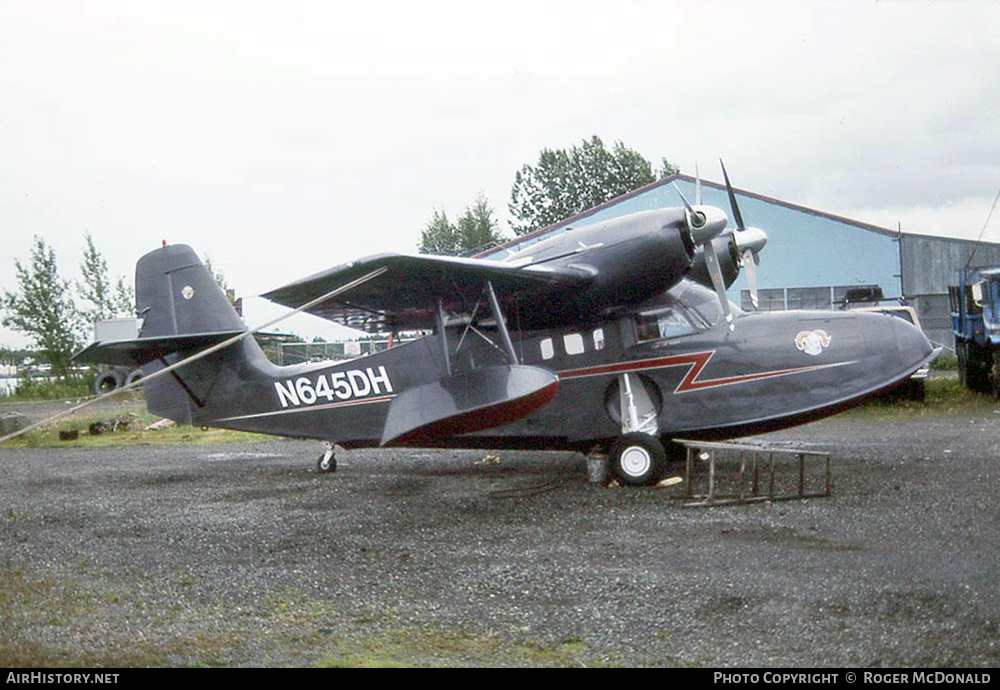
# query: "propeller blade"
749,262
715,273
687,206
732,199
697,185
696,219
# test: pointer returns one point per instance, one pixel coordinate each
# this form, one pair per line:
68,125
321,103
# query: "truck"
975,323
109,378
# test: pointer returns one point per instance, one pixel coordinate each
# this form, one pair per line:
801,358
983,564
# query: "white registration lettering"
359,383
340,385
286,396
303,387
323,388
380,377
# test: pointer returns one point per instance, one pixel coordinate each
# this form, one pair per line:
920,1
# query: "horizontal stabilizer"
466,402
139,351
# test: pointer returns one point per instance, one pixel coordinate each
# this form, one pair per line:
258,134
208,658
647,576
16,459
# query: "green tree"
565,182
106,302
477,229
440,236
124,300
43,309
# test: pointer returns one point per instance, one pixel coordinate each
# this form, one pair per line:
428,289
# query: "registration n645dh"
337,385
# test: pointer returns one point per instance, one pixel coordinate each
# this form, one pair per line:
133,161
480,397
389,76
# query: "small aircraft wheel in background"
133,376
327,463
638,459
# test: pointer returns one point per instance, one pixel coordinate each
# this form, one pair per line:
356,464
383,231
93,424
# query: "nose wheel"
638,459
327,462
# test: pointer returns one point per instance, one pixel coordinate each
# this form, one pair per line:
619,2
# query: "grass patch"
132,418
34,389
944,396
52,621
101,620
946,361
439,647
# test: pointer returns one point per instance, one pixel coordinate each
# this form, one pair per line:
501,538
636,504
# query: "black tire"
638,459
962,355
133,376
995,376
979,363
106,383
326,465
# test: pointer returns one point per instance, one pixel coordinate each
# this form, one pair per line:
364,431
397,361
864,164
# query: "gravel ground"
243,555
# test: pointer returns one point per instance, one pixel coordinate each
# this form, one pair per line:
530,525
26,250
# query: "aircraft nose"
909,338
895,342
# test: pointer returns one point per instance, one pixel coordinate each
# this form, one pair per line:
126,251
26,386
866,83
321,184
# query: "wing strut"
501,323
443,334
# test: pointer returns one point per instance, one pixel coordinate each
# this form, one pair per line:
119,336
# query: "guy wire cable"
981,232
198,355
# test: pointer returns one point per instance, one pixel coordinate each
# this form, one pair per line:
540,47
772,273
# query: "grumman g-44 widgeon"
617,336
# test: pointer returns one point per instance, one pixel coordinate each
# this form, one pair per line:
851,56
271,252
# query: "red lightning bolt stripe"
696,362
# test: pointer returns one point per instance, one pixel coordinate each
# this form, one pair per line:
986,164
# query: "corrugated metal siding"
930,264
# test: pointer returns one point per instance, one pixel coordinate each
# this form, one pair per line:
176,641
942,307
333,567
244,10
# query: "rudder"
177,294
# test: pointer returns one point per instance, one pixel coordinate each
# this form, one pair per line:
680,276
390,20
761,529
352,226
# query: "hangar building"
813,259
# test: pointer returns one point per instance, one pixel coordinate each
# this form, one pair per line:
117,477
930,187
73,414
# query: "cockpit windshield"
701,302
688,308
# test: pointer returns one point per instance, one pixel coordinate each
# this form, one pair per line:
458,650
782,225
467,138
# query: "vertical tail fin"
176,294
179,300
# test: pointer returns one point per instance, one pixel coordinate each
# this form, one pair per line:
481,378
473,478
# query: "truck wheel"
962,355
637,459
978,368
105,383
995,375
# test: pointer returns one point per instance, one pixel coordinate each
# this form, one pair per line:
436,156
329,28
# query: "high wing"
406,295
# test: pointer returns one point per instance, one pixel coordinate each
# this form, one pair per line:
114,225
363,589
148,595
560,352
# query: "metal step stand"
762,475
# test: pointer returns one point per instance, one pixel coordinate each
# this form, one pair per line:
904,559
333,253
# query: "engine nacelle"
725,250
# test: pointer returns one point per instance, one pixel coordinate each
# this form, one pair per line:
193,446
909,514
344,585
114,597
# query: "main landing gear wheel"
638,459
327,462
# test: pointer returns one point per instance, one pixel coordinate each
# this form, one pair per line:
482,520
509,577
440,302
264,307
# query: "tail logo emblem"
187,292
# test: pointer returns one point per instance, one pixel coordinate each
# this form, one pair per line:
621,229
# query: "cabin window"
662,323
599,339
573,342
547,350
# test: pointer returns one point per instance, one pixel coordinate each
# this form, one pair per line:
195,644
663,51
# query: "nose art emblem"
812,342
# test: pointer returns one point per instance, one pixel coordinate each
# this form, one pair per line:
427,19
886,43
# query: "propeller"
724,252
715,273
749,241
706,224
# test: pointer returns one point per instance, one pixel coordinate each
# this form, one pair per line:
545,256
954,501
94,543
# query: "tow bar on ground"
739,474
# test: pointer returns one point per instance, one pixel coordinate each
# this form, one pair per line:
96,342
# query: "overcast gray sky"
280,138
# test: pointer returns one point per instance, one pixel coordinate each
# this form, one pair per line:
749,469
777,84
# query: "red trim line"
696,362
311,408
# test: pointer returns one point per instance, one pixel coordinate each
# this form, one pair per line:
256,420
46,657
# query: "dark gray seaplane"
616,336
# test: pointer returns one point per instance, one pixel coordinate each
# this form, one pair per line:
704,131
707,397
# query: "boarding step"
733,474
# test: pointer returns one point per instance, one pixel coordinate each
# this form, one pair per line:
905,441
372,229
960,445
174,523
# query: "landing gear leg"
327,462
637,457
